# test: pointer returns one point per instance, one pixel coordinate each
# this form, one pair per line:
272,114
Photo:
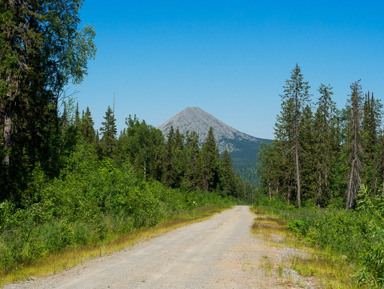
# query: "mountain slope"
242,147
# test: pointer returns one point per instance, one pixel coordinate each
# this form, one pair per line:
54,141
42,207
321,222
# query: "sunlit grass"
330,270
76,256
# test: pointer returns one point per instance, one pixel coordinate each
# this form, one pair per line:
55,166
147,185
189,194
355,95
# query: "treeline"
177,161
321,155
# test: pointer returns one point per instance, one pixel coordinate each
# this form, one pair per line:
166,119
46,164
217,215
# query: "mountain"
242,147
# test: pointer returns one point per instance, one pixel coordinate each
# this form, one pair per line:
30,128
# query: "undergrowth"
347,239
91,204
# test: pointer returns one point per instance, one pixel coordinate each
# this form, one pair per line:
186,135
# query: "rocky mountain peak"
198,120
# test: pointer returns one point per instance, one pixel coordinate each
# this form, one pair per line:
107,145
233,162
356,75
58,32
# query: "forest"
330,162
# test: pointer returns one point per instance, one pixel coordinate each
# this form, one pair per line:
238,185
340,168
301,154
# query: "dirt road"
217,253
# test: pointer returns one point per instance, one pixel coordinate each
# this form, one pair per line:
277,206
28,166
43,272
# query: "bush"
359,234
89,202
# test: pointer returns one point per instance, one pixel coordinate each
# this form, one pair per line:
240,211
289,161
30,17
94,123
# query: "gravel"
217,253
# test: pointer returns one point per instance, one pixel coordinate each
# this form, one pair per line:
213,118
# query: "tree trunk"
298,177
297,115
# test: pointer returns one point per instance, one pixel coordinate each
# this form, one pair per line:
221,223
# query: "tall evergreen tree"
227,175
308,152
371,122
353,143
209,163
108,131
326,143
86,127
41,50
192,154
287,128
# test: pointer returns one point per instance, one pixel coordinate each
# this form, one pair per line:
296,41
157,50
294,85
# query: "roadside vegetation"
92,203
347,249
66,186
324,175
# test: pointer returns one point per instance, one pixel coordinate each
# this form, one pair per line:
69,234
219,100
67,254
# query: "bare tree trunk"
7,133
8,124
297,115
298,177
269,191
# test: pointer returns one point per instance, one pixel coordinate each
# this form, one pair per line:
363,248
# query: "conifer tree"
86,127
272,169
142,145
42,50
209,163
325,143
108,131
168,173
192,154
308,152
287,128
371,121
353,144
227,175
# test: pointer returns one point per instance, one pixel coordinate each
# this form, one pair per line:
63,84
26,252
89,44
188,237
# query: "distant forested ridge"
322,155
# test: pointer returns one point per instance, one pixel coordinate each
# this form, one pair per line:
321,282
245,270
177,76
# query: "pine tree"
353,143
108,131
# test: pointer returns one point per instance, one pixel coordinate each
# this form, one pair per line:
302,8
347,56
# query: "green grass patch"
330,267
71,257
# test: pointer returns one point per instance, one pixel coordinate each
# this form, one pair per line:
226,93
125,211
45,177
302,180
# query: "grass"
76,256
332,271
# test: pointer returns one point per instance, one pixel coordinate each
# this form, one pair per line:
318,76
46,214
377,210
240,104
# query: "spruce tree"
308,152
326,143
287,128
108,131
353,144
371,121
209,163
227,176
86,127
192,154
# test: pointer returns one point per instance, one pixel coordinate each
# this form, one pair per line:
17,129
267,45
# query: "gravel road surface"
217,253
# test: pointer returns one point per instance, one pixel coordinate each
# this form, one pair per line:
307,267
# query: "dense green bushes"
92,201
358,235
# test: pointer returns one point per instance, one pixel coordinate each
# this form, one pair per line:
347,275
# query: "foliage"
42,50
357,235
323,156
89,202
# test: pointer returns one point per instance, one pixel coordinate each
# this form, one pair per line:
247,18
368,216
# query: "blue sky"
231,58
